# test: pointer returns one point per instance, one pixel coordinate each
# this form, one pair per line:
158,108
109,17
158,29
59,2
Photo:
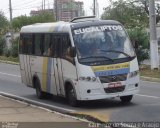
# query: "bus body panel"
25,69
22,69
46,70
69,71
50,72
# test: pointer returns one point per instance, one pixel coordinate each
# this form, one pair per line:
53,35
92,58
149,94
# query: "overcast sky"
22,7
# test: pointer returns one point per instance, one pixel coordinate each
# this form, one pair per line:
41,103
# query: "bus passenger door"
57,64
60,76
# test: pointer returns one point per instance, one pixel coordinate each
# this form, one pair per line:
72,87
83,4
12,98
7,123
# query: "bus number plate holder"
114,85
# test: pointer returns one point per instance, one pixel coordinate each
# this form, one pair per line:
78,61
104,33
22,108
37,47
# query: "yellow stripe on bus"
110,67
51,29
44,72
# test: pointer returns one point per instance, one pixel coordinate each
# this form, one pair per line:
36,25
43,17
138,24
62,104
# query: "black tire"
126,99
40,94
72,98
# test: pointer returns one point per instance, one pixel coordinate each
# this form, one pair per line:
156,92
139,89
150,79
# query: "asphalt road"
145,106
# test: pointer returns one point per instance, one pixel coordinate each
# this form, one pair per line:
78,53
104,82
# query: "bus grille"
114,90
108,79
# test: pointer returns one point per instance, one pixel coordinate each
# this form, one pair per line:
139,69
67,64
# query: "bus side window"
47,45
25,45
56,46
29,44
37,43
66,47
21,44
53,45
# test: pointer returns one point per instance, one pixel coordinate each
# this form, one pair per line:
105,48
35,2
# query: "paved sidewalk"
15,111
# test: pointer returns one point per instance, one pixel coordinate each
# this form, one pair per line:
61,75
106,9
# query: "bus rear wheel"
126,99
40,94
71,95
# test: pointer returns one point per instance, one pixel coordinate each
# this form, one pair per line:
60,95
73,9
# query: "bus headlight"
88,78
133,74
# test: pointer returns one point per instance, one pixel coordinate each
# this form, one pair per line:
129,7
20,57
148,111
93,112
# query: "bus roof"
64,26
45,27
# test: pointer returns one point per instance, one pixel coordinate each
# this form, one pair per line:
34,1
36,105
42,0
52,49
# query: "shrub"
2,45
141,39
14,48
7,52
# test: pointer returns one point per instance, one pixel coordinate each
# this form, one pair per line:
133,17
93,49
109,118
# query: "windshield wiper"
117,52
97,57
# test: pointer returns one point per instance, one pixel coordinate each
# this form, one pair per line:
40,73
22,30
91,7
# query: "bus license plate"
114,85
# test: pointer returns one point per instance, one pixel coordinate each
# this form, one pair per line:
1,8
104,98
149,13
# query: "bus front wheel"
126,99
72,100
40,94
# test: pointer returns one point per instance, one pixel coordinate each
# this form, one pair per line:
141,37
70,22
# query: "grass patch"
12,59
146,71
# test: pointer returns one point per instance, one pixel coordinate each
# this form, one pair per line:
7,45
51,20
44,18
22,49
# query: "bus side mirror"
73,52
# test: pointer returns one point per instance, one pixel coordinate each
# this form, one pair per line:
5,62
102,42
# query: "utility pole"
10,10
94,7
44,4
153,36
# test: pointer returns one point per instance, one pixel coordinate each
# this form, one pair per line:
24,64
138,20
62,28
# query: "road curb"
51,107
9,62
72,113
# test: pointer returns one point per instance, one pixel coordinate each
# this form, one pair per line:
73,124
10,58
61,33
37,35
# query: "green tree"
43,17
140,38
127,13
20,21
3,23
144,4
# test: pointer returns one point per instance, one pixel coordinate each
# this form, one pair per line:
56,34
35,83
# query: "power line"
36,4
29,7
26,3
26,6
21,6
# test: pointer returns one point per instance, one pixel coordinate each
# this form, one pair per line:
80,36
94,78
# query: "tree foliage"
3,23
20,21
127,13
144,4
140,38
2,45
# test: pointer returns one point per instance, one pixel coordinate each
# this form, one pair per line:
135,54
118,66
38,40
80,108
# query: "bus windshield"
109,42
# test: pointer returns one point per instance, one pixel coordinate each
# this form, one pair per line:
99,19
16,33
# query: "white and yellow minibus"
84,59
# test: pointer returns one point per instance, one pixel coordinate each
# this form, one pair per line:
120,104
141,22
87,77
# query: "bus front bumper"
99,93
